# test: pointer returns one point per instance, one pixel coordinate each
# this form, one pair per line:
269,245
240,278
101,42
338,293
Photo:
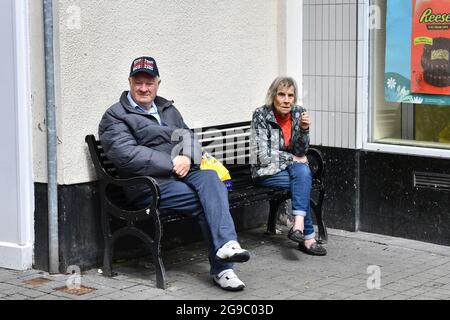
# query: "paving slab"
359,266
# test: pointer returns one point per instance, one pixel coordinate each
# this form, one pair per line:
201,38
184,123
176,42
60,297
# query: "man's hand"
305,121
181,165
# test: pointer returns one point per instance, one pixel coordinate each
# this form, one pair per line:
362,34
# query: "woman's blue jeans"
298,179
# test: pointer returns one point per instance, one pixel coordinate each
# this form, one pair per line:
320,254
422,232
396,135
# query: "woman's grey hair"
276,84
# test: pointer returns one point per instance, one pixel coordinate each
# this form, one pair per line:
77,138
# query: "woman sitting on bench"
280,138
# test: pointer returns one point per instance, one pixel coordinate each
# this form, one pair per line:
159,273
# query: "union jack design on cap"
144,64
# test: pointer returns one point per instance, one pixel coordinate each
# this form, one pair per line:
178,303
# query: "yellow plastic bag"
211,163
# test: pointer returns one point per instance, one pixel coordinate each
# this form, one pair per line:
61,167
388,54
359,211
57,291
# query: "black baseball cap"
144,64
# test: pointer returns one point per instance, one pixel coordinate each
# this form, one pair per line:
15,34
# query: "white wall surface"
16,196
216,59
294,36
37,74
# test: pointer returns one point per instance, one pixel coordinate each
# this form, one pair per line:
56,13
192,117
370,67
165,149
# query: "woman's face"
284,100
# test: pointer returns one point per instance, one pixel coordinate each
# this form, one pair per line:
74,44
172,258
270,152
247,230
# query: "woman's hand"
305,121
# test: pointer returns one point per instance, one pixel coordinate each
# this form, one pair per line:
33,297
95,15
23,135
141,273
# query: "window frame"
369,144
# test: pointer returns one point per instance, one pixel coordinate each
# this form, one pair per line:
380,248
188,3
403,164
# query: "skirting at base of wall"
80,238
393,204
13,256
340,178
376,192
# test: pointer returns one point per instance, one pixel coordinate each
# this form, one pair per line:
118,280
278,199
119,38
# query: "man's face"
284,100
143,88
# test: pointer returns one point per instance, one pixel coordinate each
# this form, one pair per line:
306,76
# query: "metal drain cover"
76,291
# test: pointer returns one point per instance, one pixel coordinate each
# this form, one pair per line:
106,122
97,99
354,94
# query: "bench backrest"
103,166
228,143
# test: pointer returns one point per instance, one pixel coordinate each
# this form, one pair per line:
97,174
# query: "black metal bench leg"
161,281
322,229
155,244
107,257
273,216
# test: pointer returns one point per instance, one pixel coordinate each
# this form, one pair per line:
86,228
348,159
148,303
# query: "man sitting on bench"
140,136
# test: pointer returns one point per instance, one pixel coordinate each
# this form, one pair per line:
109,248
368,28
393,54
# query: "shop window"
400,114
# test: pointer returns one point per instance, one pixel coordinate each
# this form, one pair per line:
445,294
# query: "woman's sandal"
296,235
315,249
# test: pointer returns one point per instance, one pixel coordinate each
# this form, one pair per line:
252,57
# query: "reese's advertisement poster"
430,47
416,58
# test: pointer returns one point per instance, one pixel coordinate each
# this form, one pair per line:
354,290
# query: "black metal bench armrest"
316,164
151,183
105,179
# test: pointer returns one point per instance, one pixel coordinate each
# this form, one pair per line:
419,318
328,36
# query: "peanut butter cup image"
436,62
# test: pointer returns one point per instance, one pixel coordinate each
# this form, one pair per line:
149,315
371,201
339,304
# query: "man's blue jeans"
201,194
298,178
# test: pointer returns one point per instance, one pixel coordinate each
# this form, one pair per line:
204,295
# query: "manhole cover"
76,291
37,281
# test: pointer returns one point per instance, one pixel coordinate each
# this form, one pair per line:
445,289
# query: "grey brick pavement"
277,270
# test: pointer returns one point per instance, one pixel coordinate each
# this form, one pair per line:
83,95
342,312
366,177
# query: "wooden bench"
229,143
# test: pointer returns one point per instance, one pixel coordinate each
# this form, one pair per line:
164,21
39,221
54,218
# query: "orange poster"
430,47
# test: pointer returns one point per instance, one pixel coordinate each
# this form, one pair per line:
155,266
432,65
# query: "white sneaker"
228,280
232,252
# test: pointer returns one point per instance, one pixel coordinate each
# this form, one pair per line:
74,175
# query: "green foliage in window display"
433,123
